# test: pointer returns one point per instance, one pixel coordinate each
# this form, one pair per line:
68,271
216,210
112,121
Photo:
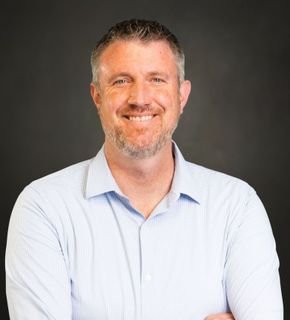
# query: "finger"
220,316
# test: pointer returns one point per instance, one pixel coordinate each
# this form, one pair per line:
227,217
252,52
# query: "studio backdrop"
237,119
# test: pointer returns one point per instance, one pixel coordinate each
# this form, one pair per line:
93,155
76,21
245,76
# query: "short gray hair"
135,29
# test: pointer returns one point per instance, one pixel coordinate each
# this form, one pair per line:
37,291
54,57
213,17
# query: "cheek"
116,101
168,97
170,104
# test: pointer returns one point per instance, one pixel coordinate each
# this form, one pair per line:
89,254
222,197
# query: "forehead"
137,53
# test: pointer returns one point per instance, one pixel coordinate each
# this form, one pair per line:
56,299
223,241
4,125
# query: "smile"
140,118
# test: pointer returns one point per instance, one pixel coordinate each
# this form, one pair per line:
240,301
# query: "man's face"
139,97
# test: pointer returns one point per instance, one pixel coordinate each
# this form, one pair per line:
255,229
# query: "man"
137,232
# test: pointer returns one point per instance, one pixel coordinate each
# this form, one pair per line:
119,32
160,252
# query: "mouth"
140,118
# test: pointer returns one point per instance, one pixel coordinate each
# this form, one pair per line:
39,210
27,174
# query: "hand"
220,316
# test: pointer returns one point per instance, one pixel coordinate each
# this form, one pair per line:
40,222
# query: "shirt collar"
186,181
100,179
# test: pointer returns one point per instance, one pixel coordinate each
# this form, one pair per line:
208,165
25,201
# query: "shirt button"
148,277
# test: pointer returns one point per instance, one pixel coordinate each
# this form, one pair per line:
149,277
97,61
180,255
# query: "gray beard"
139,152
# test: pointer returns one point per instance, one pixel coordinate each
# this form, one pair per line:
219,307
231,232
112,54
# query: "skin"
134,81
220,316
139,79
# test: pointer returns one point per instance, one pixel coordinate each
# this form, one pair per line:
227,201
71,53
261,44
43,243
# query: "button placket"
147,277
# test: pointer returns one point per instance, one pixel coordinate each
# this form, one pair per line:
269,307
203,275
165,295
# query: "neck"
147,180
141,169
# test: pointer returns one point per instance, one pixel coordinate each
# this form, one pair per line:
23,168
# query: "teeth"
143,118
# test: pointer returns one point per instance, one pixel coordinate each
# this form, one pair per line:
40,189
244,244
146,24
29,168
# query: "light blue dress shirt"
78,250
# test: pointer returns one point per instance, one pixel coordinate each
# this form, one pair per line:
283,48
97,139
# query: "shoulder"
220,190
52,198
69,180
228,202
72,176
216,180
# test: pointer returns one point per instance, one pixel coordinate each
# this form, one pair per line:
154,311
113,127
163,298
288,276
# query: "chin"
139,146
144,148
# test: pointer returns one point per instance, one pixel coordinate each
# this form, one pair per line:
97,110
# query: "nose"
140,94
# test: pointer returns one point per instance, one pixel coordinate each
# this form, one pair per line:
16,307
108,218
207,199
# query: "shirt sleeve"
251,270
37,280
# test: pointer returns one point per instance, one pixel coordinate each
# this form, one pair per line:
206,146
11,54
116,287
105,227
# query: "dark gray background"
237,120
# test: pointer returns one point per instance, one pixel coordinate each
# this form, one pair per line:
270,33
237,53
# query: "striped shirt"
78,250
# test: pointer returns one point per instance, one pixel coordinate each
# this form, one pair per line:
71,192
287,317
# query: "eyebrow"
157,73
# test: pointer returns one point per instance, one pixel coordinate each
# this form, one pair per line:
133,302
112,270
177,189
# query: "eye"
157,80
120,81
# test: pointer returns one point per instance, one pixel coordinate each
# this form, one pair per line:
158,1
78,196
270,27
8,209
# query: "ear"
184,91
95,93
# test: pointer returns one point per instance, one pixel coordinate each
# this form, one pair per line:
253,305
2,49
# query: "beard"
133,150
